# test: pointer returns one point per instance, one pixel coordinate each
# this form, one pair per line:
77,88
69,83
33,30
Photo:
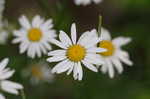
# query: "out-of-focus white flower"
73,53
3,37
34,37
86,2
39,72
114,54
3,32
5,84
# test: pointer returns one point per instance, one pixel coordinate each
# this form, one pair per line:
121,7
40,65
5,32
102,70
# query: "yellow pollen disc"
76,53
36,72
107,45
34,34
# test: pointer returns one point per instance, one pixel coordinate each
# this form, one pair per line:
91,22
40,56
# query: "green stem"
23,94
99,25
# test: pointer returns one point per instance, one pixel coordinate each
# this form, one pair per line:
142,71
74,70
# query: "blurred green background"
122,17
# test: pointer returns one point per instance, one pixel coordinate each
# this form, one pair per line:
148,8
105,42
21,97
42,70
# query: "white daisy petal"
73,33
12,84
125,60
89,66
17,40
65,67
84,39
65,39
111,71
2,97
38,51
23,47
24,22
59,66
92,42
3,63
83,2
47,25
75,71
97,1
46,45
96,50
123,53
56,58
105,34
17,33
31,51
71,68
118,65
104,69
42,48
37,21
57,52
10,87
6,74
58,43
120,41
94,59
80,72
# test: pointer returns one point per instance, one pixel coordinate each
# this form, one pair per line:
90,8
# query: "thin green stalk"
99,25
23,94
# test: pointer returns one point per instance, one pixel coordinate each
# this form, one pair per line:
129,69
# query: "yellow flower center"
76,53
107,45
36,72
34,34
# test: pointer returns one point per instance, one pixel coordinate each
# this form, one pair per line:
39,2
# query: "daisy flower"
114,54
34,37
86,2
5,84
73,53
39,72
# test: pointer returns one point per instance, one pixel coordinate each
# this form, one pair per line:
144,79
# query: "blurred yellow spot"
107,45
34,34
76,53
36,72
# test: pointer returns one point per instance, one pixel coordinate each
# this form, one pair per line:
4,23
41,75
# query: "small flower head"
114,54
74,53
39,72
34,37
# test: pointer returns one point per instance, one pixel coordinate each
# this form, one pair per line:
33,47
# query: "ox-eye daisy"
39,72
34,37
114,54
75,53
86,2
5,84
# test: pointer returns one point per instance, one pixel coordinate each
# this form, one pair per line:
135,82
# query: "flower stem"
99,25
23,94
